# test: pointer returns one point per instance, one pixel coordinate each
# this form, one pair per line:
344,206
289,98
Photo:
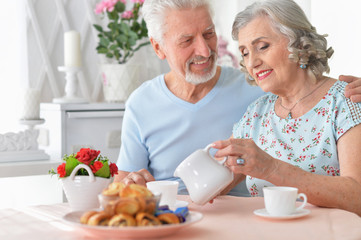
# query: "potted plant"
84,175
124,34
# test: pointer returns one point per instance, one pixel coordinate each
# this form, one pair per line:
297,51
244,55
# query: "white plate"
102,232
300,213
179,204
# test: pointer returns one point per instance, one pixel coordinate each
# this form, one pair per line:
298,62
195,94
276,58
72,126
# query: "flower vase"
82,191
120,80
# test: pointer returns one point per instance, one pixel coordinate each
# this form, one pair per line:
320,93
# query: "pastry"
135,190
150,205
113,189
146,219
99,219
122,220
85,217
168,218
125,205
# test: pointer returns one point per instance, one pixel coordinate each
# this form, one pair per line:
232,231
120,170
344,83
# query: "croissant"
124,205
135,190
85,217
122,220
150,205
99,219
113,189
146,219
168,218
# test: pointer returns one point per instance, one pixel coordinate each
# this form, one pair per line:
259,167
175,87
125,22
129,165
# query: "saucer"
300,213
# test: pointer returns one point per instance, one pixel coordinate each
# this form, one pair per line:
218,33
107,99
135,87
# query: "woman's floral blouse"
308,142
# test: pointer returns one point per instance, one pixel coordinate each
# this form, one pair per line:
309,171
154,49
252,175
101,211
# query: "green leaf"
111,25
104,42
122,38
124,28
133,35
113,47
113,16
102,50
132,42
136,26
109,35
97,27
104,171
109,55
71,163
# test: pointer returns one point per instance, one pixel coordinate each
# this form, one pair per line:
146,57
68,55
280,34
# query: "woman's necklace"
289,116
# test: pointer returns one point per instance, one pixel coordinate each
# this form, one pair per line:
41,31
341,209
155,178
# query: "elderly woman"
305,133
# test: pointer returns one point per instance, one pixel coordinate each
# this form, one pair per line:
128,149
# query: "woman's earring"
303,66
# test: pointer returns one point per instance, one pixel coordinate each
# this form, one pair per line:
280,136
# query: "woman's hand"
257,163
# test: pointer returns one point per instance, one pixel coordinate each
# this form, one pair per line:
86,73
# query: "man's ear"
157,48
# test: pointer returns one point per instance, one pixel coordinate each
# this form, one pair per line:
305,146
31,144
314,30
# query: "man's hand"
140,177
353,89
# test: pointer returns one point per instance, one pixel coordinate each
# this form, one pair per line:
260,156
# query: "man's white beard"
198,79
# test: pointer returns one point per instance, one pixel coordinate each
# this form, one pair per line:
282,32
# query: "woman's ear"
157,48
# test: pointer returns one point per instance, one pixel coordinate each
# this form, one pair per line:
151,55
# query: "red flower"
96,166
99,165
61,170
86,155
113,169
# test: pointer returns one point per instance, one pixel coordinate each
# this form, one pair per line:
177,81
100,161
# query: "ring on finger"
240,161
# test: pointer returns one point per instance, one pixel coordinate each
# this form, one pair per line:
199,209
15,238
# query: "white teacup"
281,201
204,176
167,189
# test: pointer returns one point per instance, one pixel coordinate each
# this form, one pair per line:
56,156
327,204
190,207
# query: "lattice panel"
47,20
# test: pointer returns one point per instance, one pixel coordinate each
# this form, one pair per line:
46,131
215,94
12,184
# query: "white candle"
31,107
72,54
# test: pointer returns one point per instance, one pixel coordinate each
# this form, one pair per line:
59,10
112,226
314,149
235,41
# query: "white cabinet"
69,127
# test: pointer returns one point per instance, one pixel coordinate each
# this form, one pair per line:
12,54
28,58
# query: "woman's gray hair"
155,11
307,47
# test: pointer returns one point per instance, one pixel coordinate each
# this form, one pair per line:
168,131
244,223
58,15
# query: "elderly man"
196,103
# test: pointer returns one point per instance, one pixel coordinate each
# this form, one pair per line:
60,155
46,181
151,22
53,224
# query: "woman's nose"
253,61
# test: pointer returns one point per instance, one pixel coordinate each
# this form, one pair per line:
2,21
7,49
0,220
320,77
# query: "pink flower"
100,7
127,14
138,1
107,5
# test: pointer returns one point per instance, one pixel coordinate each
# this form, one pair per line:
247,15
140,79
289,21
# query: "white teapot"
203,176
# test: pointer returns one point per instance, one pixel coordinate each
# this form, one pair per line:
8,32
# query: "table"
227,218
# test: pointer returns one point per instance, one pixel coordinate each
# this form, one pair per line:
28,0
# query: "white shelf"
82,106
28,168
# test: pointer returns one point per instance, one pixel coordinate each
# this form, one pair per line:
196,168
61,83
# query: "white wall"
10,65
339,19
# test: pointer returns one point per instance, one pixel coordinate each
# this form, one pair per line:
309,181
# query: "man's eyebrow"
210,27
190,35
253,42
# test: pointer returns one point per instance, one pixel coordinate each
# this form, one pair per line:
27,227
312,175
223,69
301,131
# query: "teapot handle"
206,149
